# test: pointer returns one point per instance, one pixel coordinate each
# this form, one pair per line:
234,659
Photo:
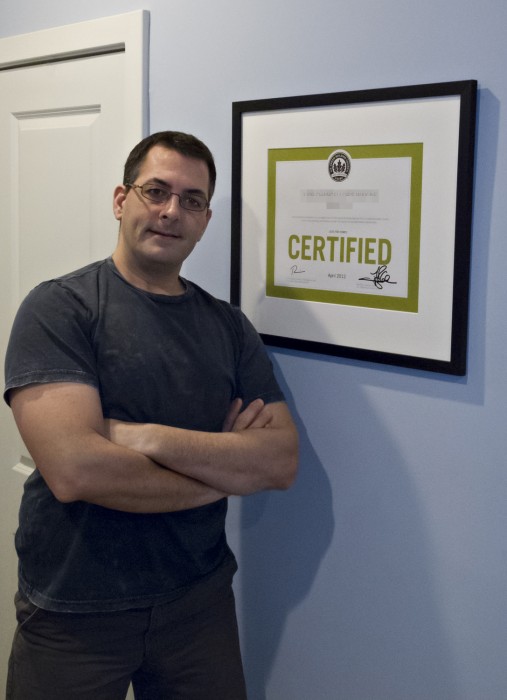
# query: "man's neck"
153,280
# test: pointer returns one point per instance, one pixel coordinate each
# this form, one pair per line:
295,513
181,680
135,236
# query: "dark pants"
184,650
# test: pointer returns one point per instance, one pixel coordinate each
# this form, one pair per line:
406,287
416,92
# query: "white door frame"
128,33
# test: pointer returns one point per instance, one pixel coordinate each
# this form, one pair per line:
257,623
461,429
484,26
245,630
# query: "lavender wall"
382,574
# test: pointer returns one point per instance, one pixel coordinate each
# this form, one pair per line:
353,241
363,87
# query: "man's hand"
253,416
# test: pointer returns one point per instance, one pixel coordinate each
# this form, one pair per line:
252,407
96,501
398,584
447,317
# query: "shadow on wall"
284,538
375,629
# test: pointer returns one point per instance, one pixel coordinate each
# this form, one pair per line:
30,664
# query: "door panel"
66,154
64,136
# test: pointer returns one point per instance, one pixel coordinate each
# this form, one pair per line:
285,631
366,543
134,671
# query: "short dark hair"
186,144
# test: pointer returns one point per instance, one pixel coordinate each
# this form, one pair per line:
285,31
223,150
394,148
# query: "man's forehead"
161,160
169,156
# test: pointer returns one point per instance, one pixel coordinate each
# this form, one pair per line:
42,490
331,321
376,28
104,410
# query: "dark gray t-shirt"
176,361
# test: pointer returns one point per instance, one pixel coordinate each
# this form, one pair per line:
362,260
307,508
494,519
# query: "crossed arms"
149,468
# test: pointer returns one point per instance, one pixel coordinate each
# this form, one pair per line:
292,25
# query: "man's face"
161,236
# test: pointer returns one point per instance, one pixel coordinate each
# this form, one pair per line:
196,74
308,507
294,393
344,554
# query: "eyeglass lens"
160,195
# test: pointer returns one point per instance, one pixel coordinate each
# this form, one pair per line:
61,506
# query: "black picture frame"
430,337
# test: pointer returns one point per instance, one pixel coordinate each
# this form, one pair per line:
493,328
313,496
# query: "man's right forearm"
130,482
63,429
142,486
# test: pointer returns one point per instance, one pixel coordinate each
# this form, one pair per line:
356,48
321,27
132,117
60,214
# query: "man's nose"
172,206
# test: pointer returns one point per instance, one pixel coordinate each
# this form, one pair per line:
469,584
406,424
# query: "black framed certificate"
347,236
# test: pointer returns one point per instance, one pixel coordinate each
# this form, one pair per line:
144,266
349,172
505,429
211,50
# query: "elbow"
65,492
287,473
65,485
279,476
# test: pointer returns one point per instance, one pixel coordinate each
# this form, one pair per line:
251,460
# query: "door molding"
126,33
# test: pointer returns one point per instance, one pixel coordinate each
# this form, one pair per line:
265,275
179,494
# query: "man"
127,383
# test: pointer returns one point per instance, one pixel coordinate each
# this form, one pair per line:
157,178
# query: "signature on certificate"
380,277
294,270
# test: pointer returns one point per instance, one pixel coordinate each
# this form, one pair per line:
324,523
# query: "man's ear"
119,195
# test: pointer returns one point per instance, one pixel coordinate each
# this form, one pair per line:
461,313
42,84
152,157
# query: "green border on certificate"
344,225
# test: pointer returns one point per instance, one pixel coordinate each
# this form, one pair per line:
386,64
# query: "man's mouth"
165,234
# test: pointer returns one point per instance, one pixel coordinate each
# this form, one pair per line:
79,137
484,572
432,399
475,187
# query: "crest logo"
339,166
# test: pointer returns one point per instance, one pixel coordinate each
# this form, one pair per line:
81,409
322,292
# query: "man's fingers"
232,415
262,419
247,417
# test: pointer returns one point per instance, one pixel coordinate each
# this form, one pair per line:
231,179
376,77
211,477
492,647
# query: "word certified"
344,249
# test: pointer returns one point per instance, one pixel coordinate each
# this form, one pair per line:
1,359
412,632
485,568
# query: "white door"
72,104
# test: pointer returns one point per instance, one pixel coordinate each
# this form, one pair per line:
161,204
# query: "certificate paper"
344,224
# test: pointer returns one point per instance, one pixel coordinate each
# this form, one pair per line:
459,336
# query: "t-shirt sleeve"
50,340
256,378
